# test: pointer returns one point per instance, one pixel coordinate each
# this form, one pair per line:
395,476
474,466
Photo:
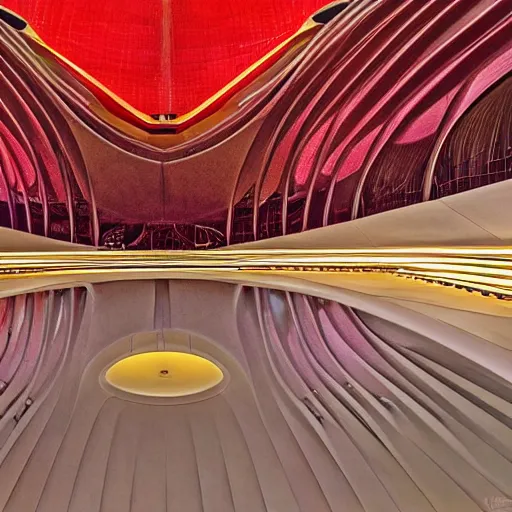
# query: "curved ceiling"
164,56
327,408
358,393
309,147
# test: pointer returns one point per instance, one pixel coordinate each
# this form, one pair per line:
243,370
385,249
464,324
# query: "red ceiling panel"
164,55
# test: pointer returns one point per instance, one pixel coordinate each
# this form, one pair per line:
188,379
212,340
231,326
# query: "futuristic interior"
256,256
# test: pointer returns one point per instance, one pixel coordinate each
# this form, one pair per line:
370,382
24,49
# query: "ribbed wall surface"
390,105
327,409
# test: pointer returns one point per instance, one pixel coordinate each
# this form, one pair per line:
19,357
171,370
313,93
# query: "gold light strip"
487,270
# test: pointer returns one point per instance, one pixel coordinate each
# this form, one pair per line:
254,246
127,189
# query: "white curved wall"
325,410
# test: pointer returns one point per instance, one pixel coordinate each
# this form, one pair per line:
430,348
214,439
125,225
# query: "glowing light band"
484,269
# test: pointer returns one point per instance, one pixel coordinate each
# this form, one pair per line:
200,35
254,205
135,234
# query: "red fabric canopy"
164,56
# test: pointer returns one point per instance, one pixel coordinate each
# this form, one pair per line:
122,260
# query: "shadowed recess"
11,19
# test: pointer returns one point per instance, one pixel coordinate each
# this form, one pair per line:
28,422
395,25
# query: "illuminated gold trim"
308,29
484,269
164,374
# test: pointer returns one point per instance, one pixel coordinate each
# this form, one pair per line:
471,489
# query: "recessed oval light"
164,374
